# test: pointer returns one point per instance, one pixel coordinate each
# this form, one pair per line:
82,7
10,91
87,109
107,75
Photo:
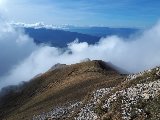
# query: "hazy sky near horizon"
116,13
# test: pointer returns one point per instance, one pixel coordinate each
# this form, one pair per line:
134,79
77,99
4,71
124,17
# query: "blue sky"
114,13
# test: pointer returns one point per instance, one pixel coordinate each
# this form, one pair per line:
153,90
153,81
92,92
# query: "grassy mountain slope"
61,86
91,90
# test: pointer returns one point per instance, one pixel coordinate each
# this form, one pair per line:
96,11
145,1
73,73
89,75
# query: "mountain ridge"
90,90
58,86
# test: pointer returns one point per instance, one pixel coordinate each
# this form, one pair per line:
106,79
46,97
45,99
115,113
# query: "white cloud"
39,25
14,47
134,54
36,25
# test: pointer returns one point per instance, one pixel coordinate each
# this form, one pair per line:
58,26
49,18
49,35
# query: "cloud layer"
21,59
14,47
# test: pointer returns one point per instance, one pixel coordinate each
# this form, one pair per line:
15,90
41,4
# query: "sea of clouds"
21,59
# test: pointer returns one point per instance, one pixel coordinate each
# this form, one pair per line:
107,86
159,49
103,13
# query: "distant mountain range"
60,36
104,31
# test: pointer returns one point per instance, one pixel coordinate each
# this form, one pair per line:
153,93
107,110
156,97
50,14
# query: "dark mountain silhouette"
91,35
58,38
104,31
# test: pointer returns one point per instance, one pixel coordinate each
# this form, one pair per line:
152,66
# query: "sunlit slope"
54,88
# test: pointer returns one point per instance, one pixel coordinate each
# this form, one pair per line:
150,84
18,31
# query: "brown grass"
54,88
